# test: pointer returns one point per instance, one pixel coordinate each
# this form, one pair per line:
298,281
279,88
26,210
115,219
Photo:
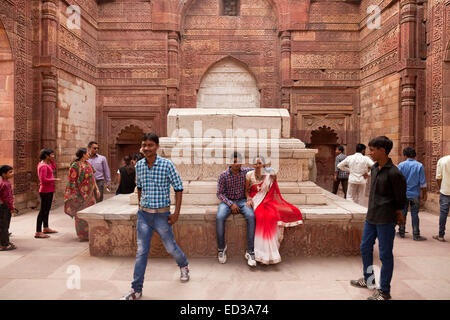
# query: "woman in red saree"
272,212
79,192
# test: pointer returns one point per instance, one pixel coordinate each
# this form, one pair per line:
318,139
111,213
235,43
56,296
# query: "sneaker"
250,259
132,295
223,255
184,274
401,234
419,238
379,295
360,283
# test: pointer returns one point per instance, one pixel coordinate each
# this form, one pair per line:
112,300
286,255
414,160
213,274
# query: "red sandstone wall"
6,100
437,131
325,72
379,92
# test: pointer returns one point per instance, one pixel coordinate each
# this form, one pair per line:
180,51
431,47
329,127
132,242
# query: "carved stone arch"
324,135
230,57
324,139
118,126
228,83
117,147
316,122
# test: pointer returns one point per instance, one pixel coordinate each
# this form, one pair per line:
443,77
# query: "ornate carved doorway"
325,140
127,144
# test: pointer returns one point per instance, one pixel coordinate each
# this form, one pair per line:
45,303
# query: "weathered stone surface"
327,231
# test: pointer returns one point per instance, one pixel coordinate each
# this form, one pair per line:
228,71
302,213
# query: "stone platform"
332,229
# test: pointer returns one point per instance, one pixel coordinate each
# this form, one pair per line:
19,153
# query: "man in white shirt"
443,181
359,167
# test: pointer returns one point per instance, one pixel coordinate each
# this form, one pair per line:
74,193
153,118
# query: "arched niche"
228,84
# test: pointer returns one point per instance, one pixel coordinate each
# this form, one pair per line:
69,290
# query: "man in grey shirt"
102,173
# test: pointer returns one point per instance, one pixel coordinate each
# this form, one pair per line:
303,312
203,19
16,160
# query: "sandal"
40,235
9,247
441,239
48,230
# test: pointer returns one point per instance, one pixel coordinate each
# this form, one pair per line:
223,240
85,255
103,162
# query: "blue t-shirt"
415,177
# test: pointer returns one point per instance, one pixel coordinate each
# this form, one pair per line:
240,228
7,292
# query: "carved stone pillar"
49,99
286,59
49,28
47,64
408,56
408,104
172,83
286,75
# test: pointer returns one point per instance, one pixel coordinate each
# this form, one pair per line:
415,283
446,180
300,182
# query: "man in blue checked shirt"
416,190
154,175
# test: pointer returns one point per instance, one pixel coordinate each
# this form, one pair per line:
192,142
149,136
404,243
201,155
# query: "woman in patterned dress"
79,192
272,212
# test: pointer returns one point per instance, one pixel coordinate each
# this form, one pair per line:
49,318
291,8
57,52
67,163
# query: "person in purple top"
231,193
102,173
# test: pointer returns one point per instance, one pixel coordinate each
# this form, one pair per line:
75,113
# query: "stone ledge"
327,230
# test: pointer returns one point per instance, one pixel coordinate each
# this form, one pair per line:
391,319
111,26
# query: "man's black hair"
382,142
151,136
91,143
409,152
340,148
360,147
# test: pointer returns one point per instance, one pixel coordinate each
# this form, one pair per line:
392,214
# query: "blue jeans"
222,214
147,223
415,205
385,234
444,204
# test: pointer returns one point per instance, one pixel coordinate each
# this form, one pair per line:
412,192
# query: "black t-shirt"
387,193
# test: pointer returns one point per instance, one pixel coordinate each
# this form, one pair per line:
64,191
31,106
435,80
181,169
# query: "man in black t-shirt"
386,201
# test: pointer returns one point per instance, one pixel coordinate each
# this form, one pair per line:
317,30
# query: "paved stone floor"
39,268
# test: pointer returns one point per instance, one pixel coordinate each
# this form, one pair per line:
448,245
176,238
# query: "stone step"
211,199
206,187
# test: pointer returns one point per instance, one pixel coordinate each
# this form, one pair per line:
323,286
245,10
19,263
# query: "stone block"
295,199
316,199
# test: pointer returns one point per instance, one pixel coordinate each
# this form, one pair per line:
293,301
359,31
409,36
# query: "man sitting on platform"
231,191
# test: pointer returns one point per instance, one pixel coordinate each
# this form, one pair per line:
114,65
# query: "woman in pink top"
46,190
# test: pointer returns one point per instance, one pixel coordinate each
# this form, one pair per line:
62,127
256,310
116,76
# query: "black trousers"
46,204
344,186
5,220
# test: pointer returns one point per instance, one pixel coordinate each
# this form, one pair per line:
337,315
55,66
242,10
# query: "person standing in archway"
101,169
358,165
340,176
126,177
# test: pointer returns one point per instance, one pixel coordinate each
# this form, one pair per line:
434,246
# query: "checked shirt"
155,182
231,188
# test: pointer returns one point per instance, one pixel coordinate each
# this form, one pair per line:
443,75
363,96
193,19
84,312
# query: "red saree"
272,214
